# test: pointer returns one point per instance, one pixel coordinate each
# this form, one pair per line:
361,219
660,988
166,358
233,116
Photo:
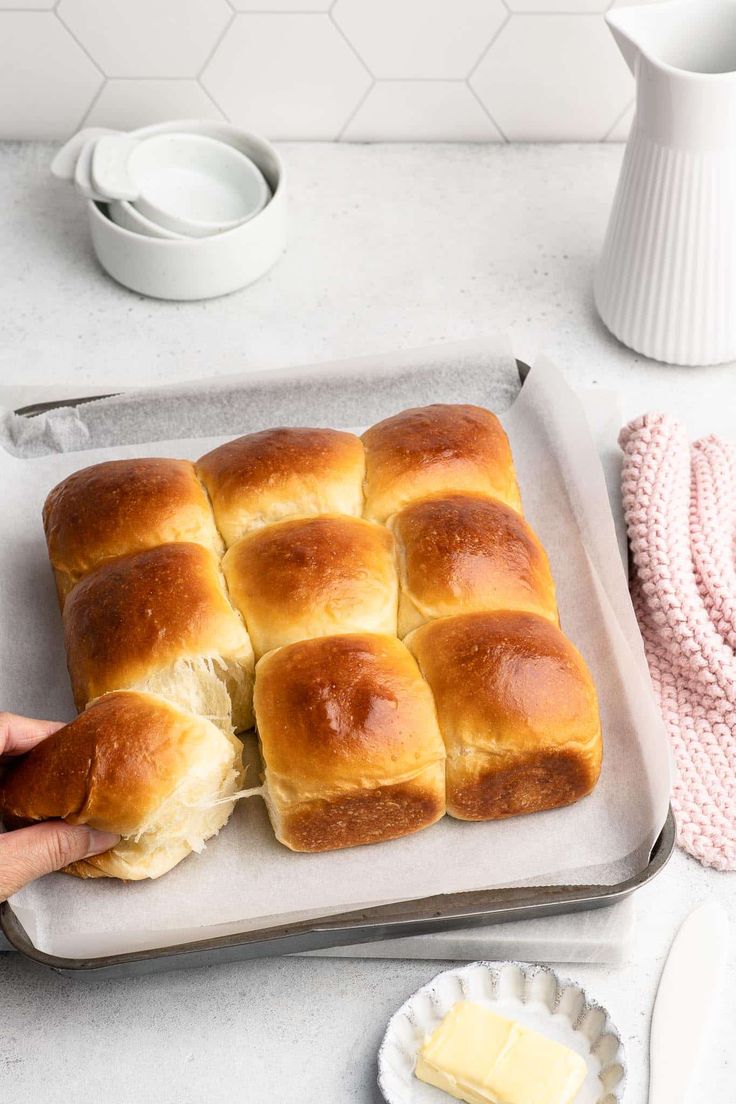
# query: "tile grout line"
476,97
205,92
353,49
564,11
87,112
60,19
356,109
216,45
421,80
484,52
546,14
474,69
156,80
617,120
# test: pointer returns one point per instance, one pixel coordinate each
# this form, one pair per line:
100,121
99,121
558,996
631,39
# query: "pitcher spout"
619,22
695,37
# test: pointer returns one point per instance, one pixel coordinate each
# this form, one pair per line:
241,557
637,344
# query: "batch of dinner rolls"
378,607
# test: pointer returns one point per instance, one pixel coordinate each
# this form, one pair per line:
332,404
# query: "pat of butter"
482,1058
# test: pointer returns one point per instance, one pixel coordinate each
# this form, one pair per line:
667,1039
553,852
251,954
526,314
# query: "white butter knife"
685,997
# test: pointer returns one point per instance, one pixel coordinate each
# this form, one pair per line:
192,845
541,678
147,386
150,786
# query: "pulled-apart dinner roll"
161,621
124,506
278,473
350,744
313,576
135,765
461,552
517,709
436,449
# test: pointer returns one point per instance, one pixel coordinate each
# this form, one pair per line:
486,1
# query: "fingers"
20,734
31,852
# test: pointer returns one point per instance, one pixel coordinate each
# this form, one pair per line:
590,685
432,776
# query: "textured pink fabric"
680,507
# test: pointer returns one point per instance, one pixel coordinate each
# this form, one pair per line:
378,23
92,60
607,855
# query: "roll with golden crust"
161,621
350,743
132,764
124,506
462,552
285,472
430,450
315,576
517,709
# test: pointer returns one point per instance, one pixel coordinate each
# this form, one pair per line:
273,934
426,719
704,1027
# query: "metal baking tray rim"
443,912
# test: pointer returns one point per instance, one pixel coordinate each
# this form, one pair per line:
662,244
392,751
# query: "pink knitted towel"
680,507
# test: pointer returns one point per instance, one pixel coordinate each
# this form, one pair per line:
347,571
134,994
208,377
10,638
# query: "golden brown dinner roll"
124,506
313,576
135,765
436,449
161,621
278,473
517,709
461,552
350,742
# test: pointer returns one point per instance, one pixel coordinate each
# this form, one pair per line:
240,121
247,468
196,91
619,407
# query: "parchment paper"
245,879
361,390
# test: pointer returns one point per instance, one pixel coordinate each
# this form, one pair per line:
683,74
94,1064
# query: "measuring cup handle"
65,162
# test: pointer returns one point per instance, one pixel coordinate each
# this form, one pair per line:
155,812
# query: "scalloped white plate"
534,995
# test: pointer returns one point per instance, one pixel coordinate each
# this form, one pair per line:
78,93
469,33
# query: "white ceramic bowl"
195,185
124,214
534,995
198,268
190,184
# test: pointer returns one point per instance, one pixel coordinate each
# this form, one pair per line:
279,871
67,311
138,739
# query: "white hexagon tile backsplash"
353,70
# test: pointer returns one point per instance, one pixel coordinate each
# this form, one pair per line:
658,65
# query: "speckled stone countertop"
390,246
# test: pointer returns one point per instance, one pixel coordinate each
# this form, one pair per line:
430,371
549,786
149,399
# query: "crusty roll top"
518,712
124,506
267,476
350,742
343,711
310,577
437,449
463,552
522,681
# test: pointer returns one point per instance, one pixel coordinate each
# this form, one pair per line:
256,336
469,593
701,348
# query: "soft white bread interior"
138,766
161,621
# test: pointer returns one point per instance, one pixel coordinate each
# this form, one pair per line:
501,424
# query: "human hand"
27,853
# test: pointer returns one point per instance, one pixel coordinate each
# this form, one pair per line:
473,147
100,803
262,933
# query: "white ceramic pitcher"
666,282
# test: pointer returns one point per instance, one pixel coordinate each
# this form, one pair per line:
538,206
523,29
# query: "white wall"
357,70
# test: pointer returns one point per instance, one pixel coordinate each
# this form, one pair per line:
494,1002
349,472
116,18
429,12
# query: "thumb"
30,852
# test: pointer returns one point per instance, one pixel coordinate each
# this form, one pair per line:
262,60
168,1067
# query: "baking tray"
443,912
